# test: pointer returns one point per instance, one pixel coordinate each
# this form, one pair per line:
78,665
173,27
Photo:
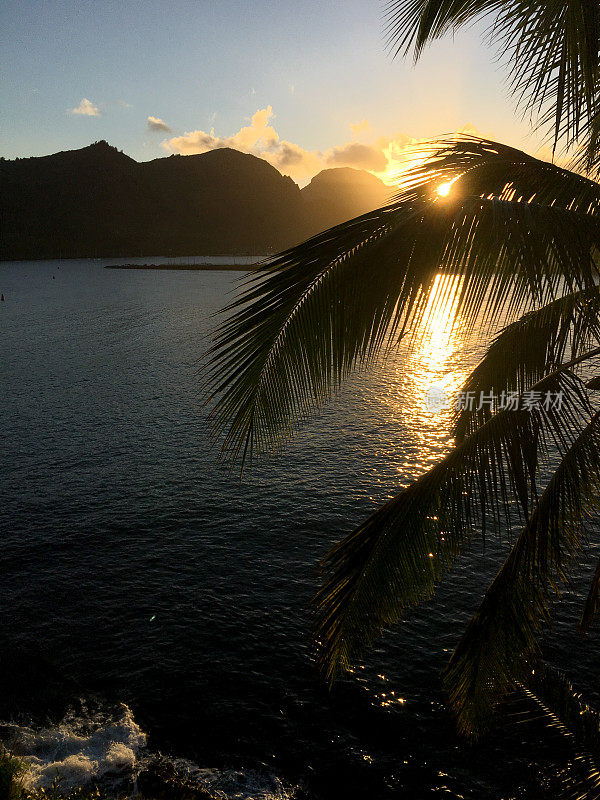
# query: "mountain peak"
103,149
341,193
99,201
347,175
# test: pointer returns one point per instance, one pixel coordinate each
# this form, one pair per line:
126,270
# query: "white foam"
110,747
236,785
80,749
250,785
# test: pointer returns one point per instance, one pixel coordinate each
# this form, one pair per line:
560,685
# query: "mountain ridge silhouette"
97,201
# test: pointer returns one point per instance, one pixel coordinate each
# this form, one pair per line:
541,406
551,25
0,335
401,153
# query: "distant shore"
240,267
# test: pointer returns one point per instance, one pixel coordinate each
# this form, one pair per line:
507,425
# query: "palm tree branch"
526,350
490,657
552,50
395,559
317,311
486,168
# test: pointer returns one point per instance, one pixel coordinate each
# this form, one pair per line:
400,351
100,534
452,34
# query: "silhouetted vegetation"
499,235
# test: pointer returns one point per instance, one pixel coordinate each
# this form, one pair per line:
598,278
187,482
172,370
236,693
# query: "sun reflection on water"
430,367
440,336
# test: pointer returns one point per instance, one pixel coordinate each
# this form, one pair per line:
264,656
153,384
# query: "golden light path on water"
427,373
431,366
438,341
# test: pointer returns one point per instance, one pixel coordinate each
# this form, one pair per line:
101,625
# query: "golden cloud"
86,109
259,135
360,156
157,124
385,157
360,127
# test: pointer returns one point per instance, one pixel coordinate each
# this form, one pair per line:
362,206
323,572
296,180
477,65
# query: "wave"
235,784
84,747
105,746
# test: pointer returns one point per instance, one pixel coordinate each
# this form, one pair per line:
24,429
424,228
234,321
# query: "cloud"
258,138
385,157
291,159
259,135
86,108
360,156
157,124
360,127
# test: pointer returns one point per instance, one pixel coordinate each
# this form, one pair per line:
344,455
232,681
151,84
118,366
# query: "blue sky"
313,68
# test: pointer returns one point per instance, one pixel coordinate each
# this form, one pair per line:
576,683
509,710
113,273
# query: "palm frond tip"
310,316
491,656
395,559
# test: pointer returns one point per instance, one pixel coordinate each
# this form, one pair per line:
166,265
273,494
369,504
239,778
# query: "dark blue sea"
150,601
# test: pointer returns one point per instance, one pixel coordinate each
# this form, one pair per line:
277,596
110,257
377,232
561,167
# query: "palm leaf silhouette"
520,239
396,558
491,656
529,348
552,49
546,708
317,311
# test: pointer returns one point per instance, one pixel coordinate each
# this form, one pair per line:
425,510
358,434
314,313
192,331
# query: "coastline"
98,751
191,267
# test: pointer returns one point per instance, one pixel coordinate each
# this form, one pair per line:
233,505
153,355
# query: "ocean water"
150,601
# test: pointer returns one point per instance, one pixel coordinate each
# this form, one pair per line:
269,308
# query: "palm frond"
566,711
552,49
592,603
586,156
317,311
490,658
548,713
552,688
484,168
526,350
395,559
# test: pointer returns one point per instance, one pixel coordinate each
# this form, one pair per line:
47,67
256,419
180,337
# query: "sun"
444,189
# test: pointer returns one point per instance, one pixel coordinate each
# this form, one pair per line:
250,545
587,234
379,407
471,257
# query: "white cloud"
157,124
86,108
384,157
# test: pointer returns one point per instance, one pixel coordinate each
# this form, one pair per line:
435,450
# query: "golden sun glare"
444,189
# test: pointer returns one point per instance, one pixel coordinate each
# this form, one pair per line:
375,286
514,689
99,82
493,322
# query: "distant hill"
336,195
99,202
